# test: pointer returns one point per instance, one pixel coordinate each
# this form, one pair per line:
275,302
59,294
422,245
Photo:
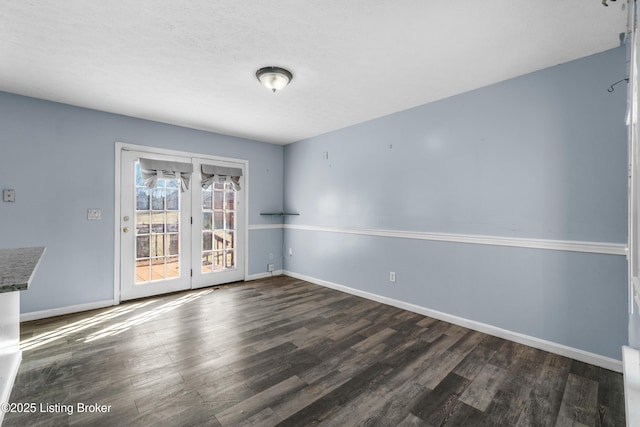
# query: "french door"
217,232
172,240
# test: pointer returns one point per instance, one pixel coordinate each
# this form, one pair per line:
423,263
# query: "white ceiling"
193,62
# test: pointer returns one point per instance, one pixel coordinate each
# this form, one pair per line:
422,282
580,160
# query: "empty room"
414,213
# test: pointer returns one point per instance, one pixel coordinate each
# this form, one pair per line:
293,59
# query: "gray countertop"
17,267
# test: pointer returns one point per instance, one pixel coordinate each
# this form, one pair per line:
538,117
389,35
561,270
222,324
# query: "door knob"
126,229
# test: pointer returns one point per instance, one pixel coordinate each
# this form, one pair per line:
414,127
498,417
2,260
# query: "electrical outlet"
270,267
290,251
392,276
9,195
270,255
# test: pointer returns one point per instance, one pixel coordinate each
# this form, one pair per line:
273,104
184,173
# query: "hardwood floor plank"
294,364
375,402
439,368
324,407
373,340
535,412
473,362
260,401
579,402
220,396
467,342
309,394
463,415
179,399
344,332
438,405
347,357
412,421
610,397
483,388
504,410
392,408
526,371
542,400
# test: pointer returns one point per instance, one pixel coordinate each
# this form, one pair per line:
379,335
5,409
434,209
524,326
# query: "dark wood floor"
285,352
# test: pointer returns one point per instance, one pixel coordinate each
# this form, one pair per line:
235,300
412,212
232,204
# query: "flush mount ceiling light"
274,78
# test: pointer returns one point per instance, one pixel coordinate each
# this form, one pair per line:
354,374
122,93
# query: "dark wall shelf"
278,213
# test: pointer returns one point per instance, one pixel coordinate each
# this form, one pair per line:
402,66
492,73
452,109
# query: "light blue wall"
266,247
60,161
540,156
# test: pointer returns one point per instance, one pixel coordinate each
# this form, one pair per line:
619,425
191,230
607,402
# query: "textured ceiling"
193,62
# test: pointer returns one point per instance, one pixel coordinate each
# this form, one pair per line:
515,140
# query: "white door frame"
119,146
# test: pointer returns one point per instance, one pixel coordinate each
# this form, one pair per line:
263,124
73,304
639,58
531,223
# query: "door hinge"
191,220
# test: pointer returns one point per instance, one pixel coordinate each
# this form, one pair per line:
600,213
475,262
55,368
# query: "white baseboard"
552,347
9,365
36,315
264,275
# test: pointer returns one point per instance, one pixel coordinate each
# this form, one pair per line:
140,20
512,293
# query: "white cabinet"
17,267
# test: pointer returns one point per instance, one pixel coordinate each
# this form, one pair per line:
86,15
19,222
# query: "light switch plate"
9,195
93,214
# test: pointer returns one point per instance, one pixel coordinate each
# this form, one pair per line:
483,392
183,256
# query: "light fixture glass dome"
274,78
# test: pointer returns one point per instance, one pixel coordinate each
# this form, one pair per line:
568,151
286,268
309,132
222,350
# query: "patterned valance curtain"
153,170
211,174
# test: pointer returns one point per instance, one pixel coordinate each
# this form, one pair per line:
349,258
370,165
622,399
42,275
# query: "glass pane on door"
157,217
218,228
